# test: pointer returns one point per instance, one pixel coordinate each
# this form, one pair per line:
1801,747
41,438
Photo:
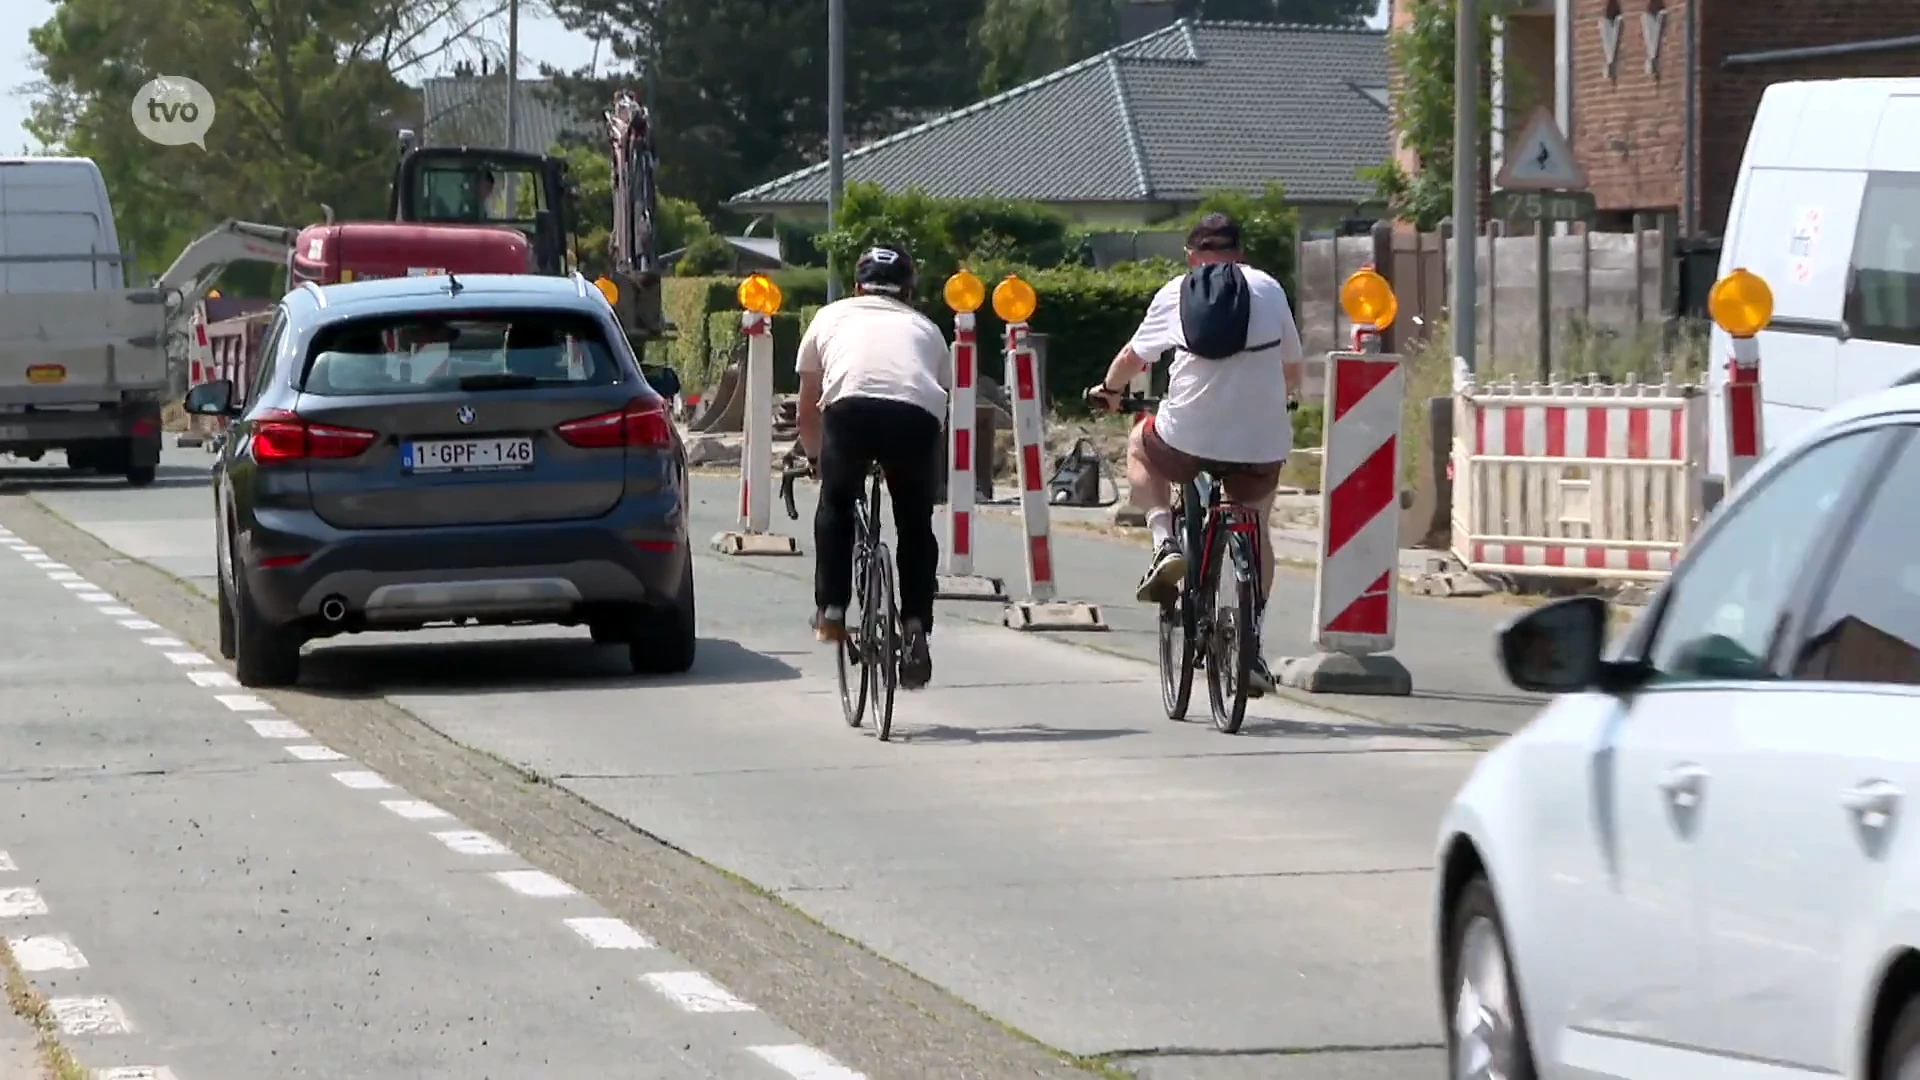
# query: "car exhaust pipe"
333,609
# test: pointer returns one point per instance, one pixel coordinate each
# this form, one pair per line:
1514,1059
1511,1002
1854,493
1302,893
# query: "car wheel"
663,641
1486,1027
142,475
1901,1058
223,596
264,654
608,629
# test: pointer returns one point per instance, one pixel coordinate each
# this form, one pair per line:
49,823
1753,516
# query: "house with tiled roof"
471,109
1136,134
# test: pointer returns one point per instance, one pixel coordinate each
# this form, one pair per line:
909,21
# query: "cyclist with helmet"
874,375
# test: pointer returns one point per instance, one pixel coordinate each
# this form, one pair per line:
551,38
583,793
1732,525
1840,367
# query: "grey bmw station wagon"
435,451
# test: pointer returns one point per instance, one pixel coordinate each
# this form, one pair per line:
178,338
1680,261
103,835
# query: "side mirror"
665,380
1555,649
210,399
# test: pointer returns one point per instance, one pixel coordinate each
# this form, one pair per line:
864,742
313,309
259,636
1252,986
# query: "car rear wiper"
498,381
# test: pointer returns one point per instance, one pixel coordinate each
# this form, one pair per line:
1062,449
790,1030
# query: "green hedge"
724,338
687,302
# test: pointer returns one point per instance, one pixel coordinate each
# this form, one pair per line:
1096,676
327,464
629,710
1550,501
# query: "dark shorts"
1250,484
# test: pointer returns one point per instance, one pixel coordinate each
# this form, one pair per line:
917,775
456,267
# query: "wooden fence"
1613,282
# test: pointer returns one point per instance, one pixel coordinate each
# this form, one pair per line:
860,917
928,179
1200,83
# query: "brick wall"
1730,96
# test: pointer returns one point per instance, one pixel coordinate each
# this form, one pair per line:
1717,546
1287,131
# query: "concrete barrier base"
191,438
970,587
1378,675
742,543
1032,615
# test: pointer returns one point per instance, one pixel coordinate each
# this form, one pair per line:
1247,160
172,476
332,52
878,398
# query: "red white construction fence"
1030,442
961,482
1579,480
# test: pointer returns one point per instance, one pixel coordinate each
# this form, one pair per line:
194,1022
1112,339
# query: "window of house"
1883,287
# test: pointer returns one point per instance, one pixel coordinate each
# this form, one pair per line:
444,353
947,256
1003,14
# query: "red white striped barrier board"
1041,611
1743,409
961,483
1577,480
1356,589
753,536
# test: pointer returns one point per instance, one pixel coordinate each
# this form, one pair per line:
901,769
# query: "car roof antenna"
453,284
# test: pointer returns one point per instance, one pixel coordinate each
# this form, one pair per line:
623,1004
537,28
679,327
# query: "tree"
307,93
1021,40
1303,12
1422,99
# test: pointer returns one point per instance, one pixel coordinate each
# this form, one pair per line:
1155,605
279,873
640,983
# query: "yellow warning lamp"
213,294
760,295
1368,299
1014,300
965,293
1741,303
607,289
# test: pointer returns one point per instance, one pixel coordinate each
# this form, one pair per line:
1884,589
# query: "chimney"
1138,18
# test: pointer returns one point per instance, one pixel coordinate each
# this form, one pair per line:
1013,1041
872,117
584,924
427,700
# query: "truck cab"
479,186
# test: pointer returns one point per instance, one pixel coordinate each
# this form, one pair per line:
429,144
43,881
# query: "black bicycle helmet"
886,270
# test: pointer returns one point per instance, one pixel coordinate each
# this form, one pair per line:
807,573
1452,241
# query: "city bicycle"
873,645
1220,539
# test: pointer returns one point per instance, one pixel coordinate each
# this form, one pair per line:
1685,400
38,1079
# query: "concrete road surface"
1039,845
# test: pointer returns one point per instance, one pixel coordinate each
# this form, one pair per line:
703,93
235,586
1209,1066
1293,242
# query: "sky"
542,40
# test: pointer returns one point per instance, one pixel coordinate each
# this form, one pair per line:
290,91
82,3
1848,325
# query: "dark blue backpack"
1215,306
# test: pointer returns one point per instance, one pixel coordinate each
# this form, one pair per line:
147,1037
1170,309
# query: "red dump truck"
362,250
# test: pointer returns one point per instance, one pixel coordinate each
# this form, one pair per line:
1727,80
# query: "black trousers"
905,440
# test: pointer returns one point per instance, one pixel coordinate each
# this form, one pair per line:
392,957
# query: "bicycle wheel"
854,685
1178,651
883,619
1231,644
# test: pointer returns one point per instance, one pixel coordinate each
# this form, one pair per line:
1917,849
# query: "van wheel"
1901,1058
264,654
664,641
142,475
1486,1026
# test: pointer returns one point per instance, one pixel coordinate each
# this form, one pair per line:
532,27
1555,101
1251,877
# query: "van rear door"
56,230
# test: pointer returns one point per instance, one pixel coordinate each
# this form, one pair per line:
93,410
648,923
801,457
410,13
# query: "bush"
687,302
1308,425
943,234
705,256
1268,228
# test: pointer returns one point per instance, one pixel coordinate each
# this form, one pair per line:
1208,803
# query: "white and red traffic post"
752,534
1014,302
959,581
1741,304
1357,581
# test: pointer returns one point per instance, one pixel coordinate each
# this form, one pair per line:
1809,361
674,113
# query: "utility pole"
1466,178
513,100
836,126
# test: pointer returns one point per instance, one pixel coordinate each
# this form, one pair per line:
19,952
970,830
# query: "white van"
1827,211
56,207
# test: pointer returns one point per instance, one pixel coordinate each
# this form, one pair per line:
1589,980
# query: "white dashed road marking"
804,1063
188,659
63,575
20,902
6,863
316,753
694,992
534,883
49,952
363,781
140,624
163,642
115,609
96,597
609,934
89,1016
135,1072
211,679
415,810
471,843
278,729
243,702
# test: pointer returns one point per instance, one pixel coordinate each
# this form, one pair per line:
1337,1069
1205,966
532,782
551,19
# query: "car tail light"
643,423
280,436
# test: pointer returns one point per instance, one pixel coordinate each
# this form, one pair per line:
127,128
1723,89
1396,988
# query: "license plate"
466,455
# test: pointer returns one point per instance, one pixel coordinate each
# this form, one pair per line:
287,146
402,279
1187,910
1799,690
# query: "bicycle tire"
1232,643
853,698
886,642
1177,662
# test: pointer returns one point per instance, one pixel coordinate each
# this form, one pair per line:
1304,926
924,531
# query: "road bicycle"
1220,539
872,646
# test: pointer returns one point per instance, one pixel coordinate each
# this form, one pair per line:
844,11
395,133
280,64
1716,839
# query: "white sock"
1161,522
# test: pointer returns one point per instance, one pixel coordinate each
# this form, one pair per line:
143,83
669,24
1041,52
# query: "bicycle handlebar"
792,467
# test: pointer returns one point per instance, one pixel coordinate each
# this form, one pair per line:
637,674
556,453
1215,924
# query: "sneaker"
916,660
828,629
1161,583
1259,680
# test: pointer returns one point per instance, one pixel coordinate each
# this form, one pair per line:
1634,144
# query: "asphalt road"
1040,857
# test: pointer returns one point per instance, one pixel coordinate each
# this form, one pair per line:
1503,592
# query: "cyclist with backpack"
874,375
1235,349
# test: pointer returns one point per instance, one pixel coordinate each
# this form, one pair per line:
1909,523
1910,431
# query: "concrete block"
970,587
1032,615
191,438
741,543
1127,515
713,450
1449,583
1377,675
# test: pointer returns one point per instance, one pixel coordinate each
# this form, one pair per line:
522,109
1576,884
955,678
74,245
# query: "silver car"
443,450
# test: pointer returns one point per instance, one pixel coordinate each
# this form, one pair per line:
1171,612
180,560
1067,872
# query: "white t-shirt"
877,347
1232,410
